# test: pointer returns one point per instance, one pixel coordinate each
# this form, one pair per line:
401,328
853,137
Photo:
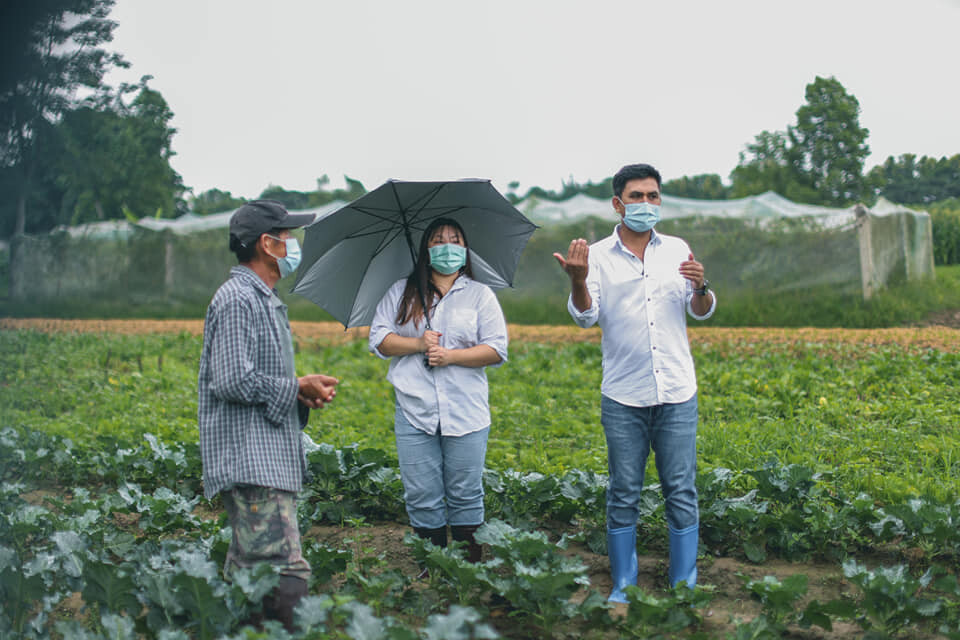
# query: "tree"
767,165
57,53
706,186
910,180
214,201
116,158
818,160
829,144
290,199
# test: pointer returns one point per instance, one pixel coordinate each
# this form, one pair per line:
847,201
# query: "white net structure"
756,245
183,259
766,243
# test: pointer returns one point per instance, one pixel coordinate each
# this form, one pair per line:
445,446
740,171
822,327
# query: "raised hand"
576,263
692,271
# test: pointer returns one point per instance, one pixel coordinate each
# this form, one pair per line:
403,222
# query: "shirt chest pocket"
461,329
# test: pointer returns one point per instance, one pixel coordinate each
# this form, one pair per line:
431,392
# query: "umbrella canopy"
352,256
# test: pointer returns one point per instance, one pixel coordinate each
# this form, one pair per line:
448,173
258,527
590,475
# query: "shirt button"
654,348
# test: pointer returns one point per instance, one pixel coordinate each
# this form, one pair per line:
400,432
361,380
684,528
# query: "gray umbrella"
352,256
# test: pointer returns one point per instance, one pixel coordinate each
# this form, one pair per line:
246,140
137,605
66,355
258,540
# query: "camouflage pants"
264,523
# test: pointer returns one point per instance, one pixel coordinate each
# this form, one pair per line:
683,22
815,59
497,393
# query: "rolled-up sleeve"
713,305
492,326
588,317
384,320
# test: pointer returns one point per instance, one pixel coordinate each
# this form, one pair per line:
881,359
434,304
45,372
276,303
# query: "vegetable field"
829,478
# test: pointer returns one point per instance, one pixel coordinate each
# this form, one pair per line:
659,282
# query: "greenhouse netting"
764,243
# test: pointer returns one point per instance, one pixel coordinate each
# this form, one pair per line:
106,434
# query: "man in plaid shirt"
252,405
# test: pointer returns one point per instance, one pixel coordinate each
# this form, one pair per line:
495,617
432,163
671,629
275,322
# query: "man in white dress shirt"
638,285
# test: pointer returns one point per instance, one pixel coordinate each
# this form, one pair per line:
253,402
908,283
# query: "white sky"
538,91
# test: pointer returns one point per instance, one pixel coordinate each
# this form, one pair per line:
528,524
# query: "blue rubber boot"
622,549
683,555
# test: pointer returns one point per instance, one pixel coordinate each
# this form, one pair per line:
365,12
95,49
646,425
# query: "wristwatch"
702,291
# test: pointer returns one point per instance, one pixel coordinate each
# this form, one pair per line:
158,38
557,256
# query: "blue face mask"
289,263
641,216
448,258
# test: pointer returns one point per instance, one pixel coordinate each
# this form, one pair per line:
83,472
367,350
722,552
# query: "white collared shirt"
641,305
453,397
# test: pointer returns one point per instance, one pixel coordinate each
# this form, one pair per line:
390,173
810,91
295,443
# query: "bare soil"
943,332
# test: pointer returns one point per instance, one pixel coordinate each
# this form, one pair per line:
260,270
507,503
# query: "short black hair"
246,252
633,172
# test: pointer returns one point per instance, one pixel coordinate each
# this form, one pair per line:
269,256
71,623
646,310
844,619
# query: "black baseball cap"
257,217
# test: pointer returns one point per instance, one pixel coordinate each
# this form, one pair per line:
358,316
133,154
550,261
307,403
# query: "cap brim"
295,220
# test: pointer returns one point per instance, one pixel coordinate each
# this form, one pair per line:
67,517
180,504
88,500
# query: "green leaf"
110,586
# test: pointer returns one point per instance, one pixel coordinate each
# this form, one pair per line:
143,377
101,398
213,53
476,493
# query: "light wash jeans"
670,430
442,475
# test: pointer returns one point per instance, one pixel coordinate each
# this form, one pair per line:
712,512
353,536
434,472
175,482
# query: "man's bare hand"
316,390
692,271
576,263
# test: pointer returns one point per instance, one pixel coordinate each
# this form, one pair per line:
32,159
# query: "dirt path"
940,337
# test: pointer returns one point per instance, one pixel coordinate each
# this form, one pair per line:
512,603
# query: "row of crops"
104,532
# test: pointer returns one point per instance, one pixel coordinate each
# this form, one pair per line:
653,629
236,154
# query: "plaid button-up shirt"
249,416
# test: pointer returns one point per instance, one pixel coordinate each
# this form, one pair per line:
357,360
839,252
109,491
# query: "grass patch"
880,420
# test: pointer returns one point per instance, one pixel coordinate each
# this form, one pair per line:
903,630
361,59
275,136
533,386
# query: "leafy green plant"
890,598
535,577
651,616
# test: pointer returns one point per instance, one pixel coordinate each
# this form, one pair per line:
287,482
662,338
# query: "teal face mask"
641,216
448,258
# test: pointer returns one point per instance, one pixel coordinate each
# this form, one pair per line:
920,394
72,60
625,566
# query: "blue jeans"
631,432
442,475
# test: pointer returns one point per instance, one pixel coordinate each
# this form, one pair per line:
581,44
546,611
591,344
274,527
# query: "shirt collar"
654,239
459,283
249,275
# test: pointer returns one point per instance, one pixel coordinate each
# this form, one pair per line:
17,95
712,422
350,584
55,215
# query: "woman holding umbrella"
441,328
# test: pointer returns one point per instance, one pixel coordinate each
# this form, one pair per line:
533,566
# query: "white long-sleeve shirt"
453,397
641,307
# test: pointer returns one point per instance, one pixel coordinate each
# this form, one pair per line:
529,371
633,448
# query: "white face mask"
289,263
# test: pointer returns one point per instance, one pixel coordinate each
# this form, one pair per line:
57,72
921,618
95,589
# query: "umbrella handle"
426,358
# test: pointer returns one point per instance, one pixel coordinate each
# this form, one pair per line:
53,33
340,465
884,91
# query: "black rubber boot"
464,533
438,537
281,602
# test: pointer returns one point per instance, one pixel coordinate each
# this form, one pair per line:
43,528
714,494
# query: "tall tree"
58,52
829,144
817,160
116,158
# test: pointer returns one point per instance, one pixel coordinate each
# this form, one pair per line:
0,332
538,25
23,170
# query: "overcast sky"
534,91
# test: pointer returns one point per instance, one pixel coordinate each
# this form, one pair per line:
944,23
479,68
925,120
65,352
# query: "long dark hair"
419,281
